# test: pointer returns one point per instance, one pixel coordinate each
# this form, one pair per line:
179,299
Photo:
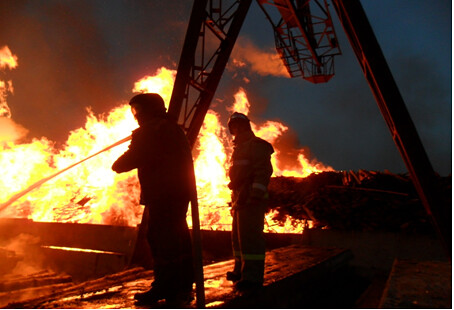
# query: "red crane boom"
304,36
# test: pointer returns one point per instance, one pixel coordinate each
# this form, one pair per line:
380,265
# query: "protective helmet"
149,104
239,119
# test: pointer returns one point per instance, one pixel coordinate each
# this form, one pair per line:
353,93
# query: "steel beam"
202,65
199,71
187,59
395,113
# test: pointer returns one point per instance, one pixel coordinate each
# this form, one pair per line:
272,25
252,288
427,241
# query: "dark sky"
75,54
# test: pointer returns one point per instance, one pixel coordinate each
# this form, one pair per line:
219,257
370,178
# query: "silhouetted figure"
249,173
161,153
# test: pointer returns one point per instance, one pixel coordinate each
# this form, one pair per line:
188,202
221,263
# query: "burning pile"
93,193
355,201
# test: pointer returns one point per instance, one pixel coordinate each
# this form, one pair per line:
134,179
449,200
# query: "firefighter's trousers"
171,249
248,242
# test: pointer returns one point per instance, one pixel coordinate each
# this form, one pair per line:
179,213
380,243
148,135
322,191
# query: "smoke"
82,54
262,62
75,54
26,248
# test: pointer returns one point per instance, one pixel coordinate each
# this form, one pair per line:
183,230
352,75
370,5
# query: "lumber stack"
359,201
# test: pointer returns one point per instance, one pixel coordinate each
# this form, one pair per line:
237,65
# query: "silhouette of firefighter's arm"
138,154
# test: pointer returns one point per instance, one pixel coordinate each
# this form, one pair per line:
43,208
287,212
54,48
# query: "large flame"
271,131
93,193
7,61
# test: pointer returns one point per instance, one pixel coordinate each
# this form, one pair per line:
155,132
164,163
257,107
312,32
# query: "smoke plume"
261,62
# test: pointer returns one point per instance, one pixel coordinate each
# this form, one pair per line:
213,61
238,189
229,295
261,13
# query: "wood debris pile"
348,200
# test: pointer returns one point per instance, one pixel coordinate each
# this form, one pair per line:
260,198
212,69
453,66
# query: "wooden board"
418,284
290,273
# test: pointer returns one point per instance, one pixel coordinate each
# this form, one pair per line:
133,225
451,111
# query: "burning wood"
366,200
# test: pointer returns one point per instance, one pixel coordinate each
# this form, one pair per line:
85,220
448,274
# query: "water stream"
44,180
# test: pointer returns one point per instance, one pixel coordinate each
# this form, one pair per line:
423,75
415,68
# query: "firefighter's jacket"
250,169
161,153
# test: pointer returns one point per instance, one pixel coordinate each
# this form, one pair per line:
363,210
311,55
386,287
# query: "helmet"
239,119
146,105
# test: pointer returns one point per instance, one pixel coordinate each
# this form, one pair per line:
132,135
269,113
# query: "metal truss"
304,36
212,32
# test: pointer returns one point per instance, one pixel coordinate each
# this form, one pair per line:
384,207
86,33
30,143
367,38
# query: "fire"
7,61
93,193
241,104
271,131
210,170
85,194
161,83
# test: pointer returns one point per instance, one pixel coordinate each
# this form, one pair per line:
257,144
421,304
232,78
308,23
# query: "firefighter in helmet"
250,172
161,153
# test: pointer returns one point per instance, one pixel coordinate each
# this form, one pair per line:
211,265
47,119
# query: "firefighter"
249,173
161,153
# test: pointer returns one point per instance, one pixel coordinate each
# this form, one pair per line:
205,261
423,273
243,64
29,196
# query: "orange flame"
241,104
9,130
7,59
210,170
93,193
271,131
161,82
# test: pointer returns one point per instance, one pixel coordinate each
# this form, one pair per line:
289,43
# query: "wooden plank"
59,298
26,282
418,284
289,273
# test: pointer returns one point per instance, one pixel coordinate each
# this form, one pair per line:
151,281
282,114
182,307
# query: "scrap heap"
354,201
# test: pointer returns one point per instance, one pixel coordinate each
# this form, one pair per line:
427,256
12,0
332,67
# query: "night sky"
78,54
